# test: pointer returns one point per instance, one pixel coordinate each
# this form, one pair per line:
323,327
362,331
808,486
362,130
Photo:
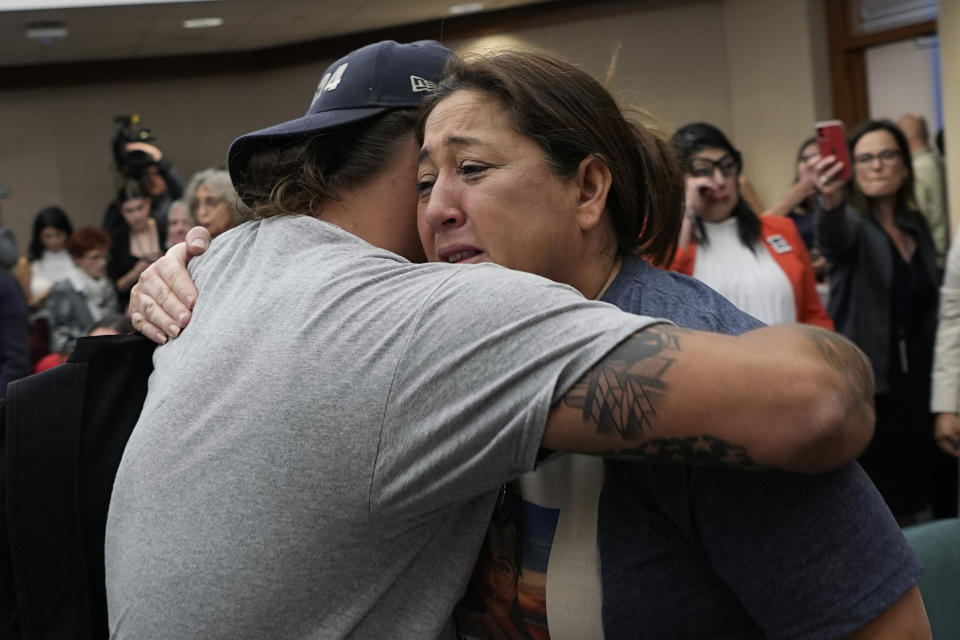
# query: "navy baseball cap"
362,84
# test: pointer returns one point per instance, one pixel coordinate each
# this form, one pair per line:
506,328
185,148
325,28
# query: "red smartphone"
832,141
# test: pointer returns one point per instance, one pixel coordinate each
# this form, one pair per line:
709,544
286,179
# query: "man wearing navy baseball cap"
319,454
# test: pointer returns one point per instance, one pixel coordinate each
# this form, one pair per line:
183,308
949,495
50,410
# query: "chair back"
937,545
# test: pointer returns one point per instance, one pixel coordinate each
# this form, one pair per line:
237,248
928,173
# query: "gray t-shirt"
318,452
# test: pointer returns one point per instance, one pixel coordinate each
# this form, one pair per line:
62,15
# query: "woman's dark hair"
131,190
115,321
571,116
87,239
857,199
54,217
300,177
697,136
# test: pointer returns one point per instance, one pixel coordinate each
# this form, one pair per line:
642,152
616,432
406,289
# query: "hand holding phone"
832,141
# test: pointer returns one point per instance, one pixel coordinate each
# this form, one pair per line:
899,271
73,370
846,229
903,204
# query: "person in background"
160,182
179,221
10,258
758,263
50,261
14,357
929,182
144,163
109,325
8,249
945,394
799,205
8,242
46,263
213,201
800,201
136,243
86,295
883,296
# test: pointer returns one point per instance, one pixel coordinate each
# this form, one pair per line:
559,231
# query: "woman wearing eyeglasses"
883,296
213,201
759,264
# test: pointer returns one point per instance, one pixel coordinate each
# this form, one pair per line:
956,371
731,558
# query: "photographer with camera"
137,159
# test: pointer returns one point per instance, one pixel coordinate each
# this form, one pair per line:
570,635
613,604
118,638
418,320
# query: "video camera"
132,164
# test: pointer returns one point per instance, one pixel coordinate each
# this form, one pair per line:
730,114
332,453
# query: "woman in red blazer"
759,264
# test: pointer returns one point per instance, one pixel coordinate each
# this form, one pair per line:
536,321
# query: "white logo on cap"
330,81
418,84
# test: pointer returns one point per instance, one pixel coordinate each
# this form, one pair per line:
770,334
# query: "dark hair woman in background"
759,264
883,296
49,259
136,243
800,202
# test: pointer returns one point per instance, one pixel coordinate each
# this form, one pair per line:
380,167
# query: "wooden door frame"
848,67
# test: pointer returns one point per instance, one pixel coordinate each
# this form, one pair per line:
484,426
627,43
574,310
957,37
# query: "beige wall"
671,61
778,75
948,28
55,143
753,67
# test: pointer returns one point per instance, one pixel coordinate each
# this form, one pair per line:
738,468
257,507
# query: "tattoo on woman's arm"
843,356
620,395
704,451
620,392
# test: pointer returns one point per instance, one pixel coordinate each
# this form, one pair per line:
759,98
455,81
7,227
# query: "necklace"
614,270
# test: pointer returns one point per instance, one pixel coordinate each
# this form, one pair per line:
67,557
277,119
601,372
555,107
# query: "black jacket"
64,434
861,281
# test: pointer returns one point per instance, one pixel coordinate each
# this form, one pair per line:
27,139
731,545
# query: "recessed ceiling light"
466,7
46,31
202,23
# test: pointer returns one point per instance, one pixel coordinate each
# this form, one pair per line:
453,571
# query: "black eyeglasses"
885,157
729,166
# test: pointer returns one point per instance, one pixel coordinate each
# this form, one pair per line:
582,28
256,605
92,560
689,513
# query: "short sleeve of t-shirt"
733,554
830,534
491,351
